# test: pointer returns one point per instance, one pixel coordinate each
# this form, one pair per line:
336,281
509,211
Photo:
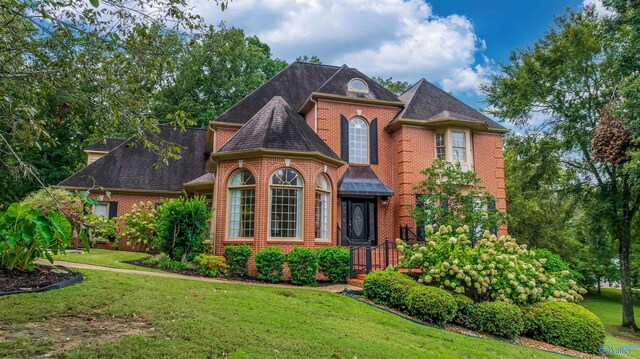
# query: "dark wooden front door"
359,220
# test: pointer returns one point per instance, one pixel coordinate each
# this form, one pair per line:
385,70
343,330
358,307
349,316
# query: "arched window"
285,202
242,202
358,141
357,85
323,206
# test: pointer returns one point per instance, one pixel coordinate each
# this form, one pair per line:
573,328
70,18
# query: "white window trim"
466,165
228,208
368,146
329,208
93,208
301,188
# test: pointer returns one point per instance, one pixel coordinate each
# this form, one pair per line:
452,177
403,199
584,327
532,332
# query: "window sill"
323,241
238,240
285,240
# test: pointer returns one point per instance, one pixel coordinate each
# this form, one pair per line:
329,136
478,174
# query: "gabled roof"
425,101
105,145
132,167
293,84
277,127
362,181
337,85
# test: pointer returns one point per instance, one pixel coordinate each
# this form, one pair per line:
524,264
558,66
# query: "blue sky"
455,44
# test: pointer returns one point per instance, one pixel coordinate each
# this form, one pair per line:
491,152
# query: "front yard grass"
106,258
119,315
607,306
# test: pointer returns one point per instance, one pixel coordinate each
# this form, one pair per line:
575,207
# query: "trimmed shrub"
303,265
388,288
269,264
431,304
334,263
465,308
237,258
565,324
165,262
210,266
500,318
181,227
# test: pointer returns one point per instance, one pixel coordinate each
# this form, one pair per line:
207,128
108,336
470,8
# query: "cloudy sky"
455,44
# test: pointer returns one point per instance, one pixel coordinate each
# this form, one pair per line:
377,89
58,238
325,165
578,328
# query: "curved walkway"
335,288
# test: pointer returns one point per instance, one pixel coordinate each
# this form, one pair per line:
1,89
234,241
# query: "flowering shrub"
210,266
139,225
497,269
101,228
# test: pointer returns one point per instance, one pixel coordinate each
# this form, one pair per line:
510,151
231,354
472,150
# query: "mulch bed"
193,273
38,279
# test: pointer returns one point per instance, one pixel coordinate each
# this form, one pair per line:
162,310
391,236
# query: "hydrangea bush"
496,269
139,226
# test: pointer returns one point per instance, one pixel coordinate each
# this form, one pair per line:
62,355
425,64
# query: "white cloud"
600,9
398,38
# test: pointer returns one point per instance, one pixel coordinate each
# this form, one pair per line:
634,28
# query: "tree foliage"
397,87
568,79
449,196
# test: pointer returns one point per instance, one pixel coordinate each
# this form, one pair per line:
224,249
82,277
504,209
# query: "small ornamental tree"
450,196
181,227
139,225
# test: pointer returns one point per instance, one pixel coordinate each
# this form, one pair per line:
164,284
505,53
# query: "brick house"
316,156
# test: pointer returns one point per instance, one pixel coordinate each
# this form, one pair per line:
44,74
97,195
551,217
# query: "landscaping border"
353,294
65,283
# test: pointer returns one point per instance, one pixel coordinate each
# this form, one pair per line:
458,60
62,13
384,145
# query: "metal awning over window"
362,181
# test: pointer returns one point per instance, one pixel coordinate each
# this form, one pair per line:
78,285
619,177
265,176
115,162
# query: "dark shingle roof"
362,181
337,85
294,84
106,144
277,126
425,101
131,166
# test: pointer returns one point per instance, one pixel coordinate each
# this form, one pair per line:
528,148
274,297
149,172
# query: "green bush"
465,308
165,262
303,266
269,264
237,258
27,234
334,263
210,266
139,225
431,304
388,288
565,324
181,227
500,318
101,228
551,262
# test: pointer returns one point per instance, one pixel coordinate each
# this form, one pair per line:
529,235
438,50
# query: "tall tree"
566,77
397,87
220,67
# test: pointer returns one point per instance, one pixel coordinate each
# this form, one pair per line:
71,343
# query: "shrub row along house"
319,155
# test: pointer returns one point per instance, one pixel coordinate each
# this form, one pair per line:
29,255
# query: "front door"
358,220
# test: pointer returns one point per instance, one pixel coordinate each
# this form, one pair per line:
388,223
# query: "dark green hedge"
388,288
303,265
431,304
499,318
565,324
334,263
269,264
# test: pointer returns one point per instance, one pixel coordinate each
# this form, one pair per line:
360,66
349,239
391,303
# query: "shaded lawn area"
607,306
106,258
185,319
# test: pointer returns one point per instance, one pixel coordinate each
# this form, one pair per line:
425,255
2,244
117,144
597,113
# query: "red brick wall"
262,169
223,135
489,165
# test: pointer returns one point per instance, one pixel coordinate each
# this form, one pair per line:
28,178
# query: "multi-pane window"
358,141
285,213
323,190
441,151
242,201
101,209
458,146
357,85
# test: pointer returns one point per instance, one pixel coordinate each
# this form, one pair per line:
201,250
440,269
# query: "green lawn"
106,258
187,319
607,306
